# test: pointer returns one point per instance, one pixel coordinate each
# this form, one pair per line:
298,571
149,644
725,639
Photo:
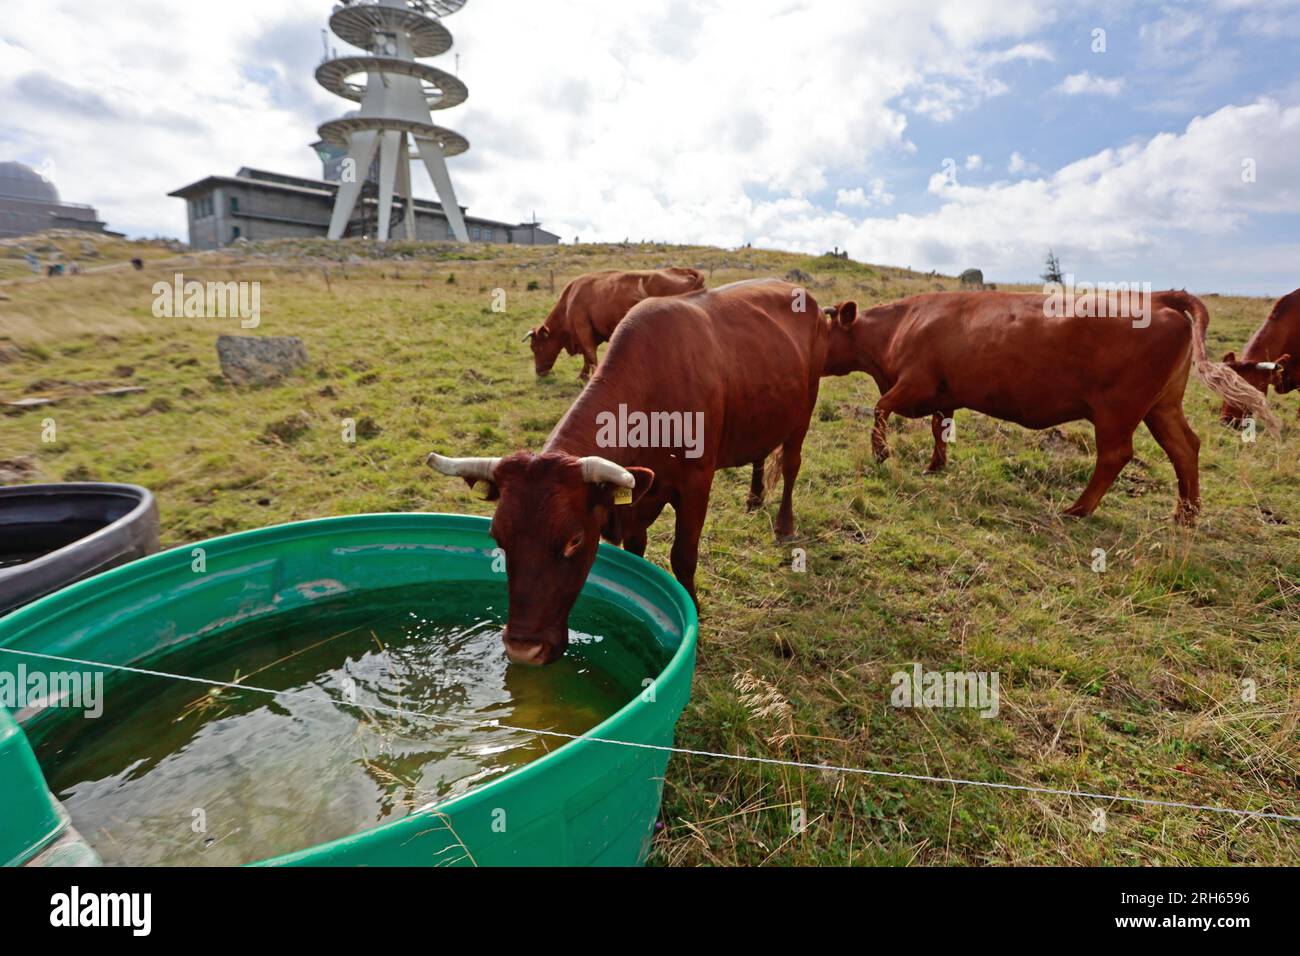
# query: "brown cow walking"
591,306
1003,354
745,360
1271,357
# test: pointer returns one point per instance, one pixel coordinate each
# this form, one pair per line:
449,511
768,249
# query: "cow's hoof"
933,469
753,502
786,538
1186,515
1075,512
882,456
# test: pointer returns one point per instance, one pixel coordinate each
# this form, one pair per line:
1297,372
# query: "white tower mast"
396,98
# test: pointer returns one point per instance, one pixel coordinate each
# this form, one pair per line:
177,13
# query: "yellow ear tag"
622,496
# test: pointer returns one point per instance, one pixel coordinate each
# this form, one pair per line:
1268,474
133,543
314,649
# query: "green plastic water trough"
585,803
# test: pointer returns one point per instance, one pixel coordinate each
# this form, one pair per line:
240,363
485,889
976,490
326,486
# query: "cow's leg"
792,453
692,505
1114,451
939,457
879,443
901,395
586,344
755,499
1169,427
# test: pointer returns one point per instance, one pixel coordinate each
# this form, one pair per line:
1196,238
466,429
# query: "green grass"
1127,681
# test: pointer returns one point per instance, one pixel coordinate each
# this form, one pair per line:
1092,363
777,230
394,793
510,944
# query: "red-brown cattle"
1271,357
1005,355
591,306
737,366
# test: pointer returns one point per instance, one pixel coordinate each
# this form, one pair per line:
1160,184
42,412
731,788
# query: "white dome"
18,181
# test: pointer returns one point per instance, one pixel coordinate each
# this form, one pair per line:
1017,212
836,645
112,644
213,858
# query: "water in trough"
380,710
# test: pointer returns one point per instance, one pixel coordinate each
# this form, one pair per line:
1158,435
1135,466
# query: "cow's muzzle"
535,649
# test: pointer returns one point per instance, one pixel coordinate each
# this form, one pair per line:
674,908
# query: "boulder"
259,360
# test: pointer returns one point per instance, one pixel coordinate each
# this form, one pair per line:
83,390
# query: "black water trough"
53,535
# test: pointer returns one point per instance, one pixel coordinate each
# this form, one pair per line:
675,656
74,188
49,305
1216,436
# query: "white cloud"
1077,84
710,121
1164,210
858,198
1018,164
646,117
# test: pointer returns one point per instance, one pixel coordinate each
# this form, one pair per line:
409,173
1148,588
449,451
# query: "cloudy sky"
1142,141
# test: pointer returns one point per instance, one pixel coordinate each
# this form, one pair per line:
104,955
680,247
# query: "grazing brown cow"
1002,354
591,306
739,366
1271,357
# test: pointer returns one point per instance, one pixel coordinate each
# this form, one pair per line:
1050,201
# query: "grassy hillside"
1127,681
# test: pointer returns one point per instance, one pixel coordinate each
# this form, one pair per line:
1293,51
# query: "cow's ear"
543,333
846,312
488,490
1230,358
645,478
1284,379
610,495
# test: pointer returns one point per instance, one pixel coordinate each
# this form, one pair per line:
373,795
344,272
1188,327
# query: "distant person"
137,263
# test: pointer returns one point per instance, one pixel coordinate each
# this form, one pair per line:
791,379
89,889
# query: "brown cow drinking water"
745,360
1003,354
1271,357
591,306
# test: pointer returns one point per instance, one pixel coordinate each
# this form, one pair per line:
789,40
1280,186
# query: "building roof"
18,181
281,182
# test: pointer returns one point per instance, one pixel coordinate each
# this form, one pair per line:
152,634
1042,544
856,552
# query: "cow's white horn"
1267,366
479,468
528,335
596,469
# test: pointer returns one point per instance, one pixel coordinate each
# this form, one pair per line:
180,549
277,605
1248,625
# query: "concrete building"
368,152
255,204
29,203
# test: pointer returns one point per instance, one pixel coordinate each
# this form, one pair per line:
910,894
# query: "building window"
203,207
487,235
234,204
235,234
474,233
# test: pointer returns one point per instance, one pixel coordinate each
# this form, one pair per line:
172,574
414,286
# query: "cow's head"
1283,374
551,509
842,352
546,349
675,281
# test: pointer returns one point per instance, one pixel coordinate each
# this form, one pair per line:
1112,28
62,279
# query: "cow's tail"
1218,377
772,470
